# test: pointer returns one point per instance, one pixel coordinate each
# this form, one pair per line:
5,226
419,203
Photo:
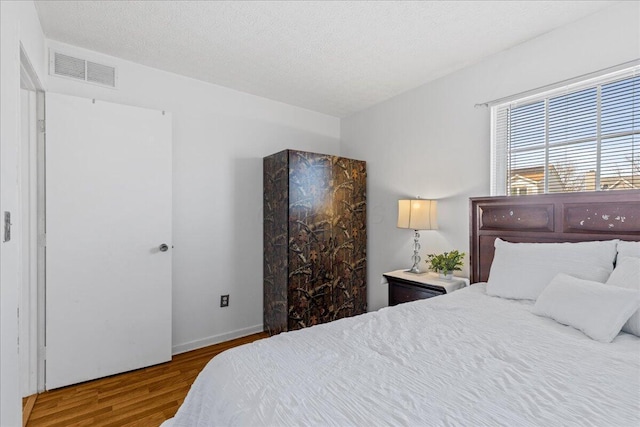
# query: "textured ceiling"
333,57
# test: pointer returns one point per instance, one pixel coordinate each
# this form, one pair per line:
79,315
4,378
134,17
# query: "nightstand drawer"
405,287
400,292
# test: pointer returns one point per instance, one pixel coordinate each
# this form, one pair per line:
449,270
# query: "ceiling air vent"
80,69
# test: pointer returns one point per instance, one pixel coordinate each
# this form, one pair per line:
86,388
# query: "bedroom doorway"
108,238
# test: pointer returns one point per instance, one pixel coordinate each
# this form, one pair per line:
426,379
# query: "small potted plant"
446,263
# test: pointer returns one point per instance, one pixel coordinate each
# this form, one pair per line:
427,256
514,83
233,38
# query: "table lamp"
417,214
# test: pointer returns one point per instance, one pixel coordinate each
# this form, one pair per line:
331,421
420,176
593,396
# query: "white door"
108,211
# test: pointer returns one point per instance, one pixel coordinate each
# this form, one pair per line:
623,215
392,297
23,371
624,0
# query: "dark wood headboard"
564,217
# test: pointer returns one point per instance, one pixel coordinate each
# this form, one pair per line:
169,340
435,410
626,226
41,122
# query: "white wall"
432,142
220,137
19,24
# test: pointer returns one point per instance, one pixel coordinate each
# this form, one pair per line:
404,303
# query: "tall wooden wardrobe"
315,239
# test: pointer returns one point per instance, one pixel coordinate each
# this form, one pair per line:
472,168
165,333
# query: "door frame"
32,285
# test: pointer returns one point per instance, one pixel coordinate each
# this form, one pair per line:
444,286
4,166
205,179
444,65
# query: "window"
583,137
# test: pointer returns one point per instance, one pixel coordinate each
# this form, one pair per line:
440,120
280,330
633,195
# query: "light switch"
7,227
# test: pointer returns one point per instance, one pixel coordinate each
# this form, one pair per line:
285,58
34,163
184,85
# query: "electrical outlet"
224,300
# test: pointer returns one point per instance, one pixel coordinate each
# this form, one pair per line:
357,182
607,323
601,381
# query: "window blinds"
583,137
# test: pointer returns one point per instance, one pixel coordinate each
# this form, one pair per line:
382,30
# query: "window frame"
500,157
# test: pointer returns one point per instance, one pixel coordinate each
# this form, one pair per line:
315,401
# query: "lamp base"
415,258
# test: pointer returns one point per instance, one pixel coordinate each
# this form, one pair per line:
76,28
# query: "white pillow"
522,270
627,275
628,249
594,308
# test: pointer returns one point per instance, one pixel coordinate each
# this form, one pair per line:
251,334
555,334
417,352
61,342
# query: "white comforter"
463,359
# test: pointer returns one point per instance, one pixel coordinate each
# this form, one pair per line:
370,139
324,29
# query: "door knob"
163,247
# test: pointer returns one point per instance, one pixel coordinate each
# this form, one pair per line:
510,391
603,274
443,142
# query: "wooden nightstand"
405,287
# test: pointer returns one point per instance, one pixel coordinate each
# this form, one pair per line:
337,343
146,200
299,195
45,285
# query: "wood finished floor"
145,397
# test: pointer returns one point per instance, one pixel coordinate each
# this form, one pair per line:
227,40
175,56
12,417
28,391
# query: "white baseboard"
215,339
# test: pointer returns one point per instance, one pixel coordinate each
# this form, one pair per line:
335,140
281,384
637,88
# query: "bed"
461,359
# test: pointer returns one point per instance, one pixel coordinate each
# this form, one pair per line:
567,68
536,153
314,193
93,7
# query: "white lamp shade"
418,214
